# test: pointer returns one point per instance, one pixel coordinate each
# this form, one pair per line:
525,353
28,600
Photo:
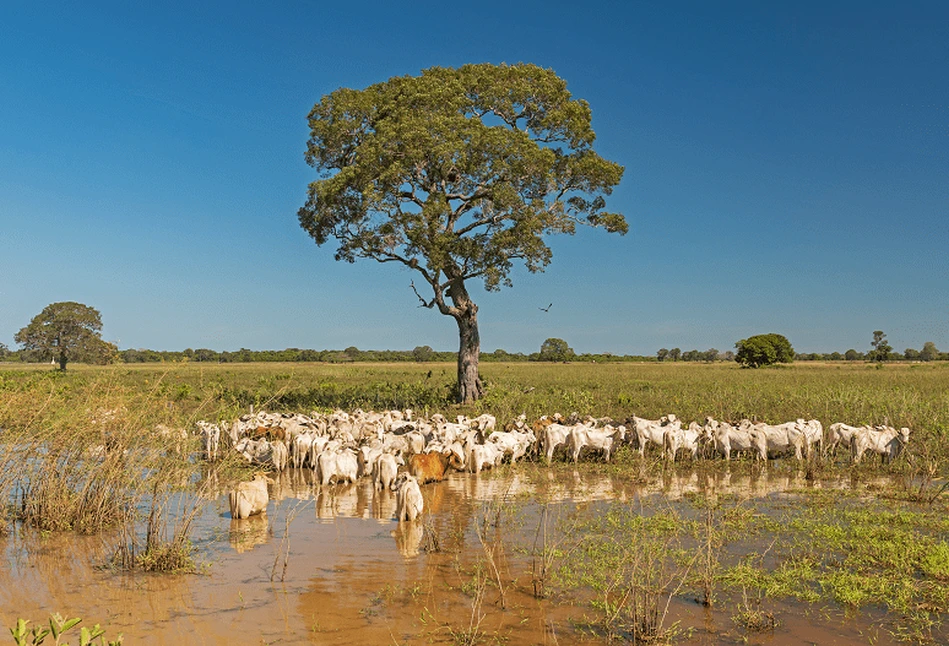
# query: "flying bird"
545,309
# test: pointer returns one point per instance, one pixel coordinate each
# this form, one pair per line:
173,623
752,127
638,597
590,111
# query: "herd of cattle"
400,451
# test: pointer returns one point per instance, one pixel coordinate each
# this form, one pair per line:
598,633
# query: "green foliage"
67,331
455,172
764,350
423,353
57,628
881,348
929,352
556,350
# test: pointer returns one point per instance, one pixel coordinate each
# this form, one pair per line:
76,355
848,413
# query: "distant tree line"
708,356
421,354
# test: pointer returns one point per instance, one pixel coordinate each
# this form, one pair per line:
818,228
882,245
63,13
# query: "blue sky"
787,170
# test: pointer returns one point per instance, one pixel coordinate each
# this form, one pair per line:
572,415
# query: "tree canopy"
554,349
66,332
764,350
456,174
929,352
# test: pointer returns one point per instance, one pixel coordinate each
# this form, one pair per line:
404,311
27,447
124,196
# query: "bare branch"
412,197
429,304
494,219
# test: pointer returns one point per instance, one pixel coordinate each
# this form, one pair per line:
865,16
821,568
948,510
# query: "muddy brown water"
329,565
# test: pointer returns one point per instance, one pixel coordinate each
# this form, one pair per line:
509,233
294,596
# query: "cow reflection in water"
346,500
294,483
248,533
408,537
383,506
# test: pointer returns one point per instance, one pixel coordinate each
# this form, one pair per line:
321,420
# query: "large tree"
66,332
456,174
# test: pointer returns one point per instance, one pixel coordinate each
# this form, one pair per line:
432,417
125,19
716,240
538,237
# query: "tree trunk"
469,351
62,361
465,313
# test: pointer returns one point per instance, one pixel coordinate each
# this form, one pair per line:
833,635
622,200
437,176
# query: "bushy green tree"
456,174
67,332
764,350
556,350
663,354
929,352
423,353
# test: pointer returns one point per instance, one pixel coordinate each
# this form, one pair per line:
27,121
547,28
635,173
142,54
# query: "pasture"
634,550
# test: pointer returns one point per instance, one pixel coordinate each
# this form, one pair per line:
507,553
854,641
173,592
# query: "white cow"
728,438
210,439
513,443
647,430
280,455
676,438
553,436
776,438
408,498
886,441
602,439
385,470
484,456
339,465
250,498
839,433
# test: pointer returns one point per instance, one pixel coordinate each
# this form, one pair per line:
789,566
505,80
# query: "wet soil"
329,565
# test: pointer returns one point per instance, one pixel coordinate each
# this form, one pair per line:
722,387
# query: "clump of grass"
633,563
752,618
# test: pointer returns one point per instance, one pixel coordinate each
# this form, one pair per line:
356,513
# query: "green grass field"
914,395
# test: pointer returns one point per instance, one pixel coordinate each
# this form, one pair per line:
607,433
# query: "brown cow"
431,467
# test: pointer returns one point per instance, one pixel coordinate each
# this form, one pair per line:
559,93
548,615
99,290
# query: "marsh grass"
635,563
82,453
856,553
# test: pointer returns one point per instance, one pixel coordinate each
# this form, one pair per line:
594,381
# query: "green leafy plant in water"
25,636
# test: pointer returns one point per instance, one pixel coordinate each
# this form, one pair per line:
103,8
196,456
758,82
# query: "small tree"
852,355
675,353
764,350
663,354
929,352
423,353
881,348
556,350
66,332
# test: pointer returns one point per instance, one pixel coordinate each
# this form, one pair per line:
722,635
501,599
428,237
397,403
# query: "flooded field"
496,559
